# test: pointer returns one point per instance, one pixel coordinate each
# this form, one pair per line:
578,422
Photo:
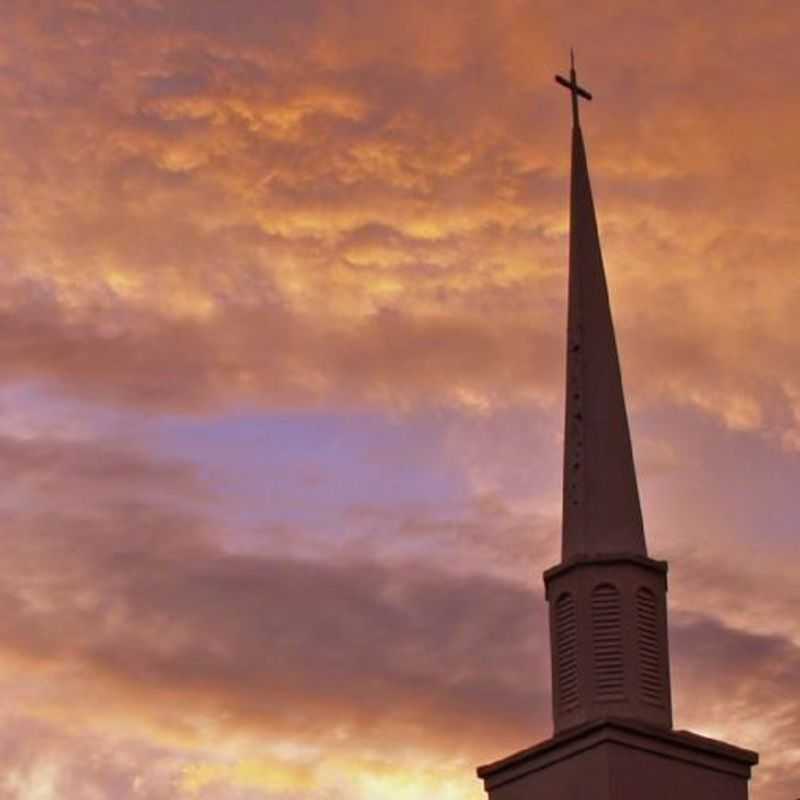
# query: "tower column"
608,641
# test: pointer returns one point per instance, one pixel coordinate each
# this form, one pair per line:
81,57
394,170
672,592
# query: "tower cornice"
682,746
604,559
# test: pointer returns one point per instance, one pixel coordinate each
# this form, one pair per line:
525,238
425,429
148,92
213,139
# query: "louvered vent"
566,653
609,664
650,671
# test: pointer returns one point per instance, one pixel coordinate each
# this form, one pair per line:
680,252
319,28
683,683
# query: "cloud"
97,468
736,672
43,761
187,644
318,206
160,615
127,618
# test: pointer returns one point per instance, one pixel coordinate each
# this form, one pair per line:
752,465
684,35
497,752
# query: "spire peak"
574,87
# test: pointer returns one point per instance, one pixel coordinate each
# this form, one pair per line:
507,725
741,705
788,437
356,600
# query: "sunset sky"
282,332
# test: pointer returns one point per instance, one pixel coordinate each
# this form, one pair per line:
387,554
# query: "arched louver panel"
566,653
651,680
609,662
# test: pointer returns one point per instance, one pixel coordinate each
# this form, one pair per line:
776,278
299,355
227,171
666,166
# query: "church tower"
612,706
608,611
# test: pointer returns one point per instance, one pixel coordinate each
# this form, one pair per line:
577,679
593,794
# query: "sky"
282,332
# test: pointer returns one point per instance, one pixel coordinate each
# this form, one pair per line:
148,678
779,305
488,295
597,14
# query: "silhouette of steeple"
601,500
609,651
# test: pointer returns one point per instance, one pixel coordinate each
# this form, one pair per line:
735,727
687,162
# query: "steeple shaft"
602,514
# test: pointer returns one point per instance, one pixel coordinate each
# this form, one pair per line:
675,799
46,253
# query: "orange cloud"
206,171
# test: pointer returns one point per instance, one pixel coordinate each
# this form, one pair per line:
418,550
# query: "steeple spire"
601,512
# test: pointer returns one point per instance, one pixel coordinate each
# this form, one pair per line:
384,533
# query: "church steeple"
608,613
601,500
612,703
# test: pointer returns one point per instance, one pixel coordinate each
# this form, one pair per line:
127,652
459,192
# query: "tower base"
616,759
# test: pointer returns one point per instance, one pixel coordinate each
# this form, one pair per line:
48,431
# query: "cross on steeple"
575,89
